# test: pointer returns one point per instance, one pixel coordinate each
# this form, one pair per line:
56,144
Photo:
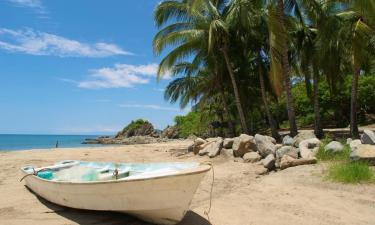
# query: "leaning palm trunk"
317,121
285,70
232,131
353,103
271,121
236,93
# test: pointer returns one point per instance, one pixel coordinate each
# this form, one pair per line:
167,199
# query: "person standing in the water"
57,144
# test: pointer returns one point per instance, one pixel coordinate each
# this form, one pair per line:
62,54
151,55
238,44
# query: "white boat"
159,193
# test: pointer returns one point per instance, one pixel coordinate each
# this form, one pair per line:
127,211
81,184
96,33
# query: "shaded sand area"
296,195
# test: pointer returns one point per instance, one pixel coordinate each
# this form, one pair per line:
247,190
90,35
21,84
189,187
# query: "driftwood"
288,161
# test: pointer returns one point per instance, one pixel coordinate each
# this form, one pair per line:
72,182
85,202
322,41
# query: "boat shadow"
88,217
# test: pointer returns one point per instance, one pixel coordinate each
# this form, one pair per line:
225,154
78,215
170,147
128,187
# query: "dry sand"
294,196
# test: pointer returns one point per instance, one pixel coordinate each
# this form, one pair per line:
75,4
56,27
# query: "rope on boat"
35,173
207,212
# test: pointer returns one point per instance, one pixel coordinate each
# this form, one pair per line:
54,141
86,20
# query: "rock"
199,141
288,140
287,161
368,137
228,142
309,147
364,153
348,141
271,139
136,128
278,146
243,144
269,162
215,148
252,157
265,145
227,153
285,150
354,144
261,171
303,135
238,160
170,133
334,147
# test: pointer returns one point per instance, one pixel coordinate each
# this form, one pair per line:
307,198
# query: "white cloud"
120,76
155,107
36,5
39,43
159,89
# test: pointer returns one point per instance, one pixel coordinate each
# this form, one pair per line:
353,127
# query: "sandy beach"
296,195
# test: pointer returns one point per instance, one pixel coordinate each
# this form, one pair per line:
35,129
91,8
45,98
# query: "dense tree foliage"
249,65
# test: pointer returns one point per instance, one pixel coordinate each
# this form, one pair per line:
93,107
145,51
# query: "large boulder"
368,137
265,145
303,135
252,157
334,147
354,144
364,153
228,142
215,148
288,161
198,145
269,162
288,140
309,147
243,144
286,150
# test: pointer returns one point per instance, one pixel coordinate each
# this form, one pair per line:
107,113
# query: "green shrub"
191,123
134,124
351,172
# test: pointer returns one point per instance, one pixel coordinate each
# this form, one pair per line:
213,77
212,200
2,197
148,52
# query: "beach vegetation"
258,66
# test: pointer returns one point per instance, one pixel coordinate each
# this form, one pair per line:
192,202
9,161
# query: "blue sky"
79,67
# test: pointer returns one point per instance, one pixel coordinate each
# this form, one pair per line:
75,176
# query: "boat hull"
159,200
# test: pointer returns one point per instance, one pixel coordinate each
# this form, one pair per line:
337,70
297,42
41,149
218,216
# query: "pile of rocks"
363,149
296,151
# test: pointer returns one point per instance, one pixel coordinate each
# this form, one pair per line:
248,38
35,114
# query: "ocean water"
13,142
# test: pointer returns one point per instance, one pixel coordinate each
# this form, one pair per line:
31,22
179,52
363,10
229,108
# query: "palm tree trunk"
353,102
318,130
232,131
287,82
271,121
236,92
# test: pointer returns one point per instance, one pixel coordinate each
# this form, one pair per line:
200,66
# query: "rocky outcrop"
368,137
170,133
364,153
243,144
334,147
265,145
308,148
136,128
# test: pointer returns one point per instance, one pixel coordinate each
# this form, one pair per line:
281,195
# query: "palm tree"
247,19
197,32
280,67
361,18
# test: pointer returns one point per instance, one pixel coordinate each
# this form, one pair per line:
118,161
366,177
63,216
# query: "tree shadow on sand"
86,217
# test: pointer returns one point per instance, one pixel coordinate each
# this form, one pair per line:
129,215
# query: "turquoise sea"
13,142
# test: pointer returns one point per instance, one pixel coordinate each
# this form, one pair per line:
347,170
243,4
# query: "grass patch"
351,172
330,156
